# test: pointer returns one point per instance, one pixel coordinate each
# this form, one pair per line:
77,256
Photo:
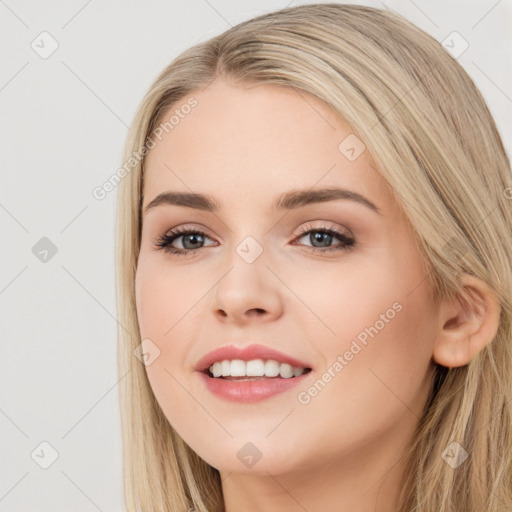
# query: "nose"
248,292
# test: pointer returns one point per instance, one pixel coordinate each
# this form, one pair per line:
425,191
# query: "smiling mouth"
242,381
242,378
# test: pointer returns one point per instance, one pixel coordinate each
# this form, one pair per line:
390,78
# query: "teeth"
286,371
225,368
271,368
297,372
254,368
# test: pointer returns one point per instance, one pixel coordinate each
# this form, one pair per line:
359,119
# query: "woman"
314,275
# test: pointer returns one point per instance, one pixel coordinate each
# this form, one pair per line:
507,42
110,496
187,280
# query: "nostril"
256,311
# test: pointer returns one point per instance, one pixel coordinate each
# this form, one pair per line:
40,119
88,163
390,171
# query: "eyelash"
164,242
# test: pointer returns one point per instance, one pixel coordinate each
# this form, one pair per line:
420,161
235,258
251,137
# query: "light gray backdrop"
71,77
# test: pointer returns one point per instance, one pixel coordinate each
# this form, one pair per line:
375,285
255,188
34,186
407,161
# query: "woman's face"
356,309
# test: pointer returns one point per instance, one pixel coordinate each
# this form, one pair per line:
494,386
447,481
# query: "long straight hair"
430,132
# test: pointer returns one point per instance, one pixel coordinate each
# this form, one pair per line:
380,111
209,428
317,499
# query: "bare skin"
340,448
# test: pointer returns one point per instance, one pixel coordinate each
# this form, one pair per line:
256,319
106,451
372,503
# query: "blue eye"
193,238
325,235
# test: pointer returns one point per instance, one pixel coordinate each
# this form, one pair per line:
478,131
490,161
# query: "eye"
323,236
192,238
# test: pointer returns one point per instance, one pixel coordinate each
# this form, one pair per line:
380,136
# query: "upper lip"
247,353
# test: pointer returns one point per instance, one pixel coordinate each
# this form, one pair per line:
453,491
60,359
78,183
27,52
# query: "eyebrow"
287,201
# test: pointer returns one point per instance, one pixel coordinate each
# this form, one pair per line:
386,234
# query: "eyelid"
309,226
191,227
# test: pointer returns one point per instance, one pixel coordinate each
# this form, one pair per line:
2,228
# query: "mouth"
240,381
252,370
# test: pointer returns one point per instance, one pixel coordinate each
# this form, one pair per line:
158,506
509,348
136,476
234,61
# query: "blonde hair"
434,140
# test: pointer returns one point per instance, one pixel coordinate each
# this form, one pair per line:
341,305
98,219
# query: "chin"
254,457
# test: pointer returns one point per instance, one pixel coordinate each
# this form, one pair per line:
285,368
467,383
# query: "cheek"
163,297
165,300
341,300
162,301
377,364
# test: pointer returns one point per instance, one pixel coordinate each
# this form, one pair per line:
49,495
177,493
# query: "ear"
467,323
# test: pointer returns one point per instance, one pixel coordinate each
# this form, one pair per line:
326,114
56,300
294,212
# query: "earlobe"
467,323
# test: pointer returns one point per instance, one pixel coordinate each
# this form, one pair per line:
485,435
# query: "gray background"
63,123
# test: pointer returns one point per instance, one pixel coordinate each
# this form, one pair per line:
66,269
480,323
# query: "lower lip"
250,390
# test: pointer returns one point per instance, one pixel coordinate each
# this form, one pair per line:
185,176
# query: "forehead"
250,117
244,141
